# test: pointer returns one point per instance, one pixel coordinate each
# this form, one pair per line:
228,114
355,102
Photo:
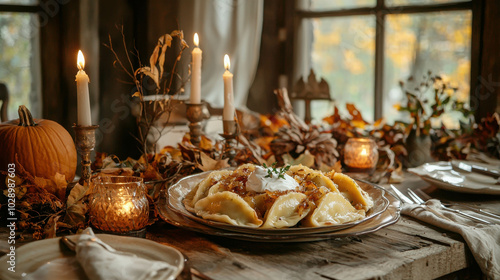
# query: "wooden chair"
312,90
4,97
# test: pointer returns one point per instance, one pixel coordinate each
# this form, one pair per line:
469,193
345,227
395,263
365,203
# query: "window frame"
381,10
28,9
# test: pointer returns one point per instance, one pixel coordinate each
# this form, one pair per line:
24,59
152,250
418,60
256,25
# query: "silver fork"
417,199
448,203
407,200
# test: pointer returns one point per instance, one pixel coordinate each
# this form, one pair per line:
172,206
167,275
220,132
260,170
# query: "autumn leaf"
153,59
355,113
56,188
151,72
19,190
166,41
173,152
305,159
76,213
207,163
50,229
151,173
60,185
76,207
205,143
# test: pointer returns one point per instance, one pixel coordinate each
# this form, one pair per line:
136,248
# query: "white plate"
178,191
384,219
33,255
442,175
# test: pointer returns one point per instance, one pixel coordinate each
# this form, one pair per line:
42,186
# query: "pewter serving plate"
171,205
178,192
388,217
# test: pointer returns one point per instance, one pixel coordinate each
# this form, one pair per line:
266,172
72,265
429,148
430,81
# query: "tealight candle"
360,154
119,204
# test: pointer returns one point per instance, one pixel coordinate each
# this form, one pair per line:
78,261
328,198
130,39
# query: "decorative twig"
163,84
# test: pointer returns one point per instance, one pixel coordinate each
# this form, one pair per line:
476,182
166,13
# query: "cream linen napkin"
483,240
100,261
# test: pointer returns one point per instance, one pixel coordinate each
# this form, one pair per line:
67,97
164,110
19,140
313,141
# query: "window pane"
419,2
342,52
324,5
417,43
19,2
19,61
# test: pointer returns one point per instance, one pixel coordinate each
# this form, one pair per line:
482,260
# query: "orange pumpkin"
43,147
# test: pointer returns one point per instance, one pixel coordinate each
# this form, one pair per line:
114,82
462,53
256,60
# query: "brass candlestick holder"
85,144
195,113
231,131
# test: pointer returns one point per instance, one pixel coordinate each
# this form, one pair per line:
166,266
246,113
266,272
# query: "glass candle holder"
119,205
360,154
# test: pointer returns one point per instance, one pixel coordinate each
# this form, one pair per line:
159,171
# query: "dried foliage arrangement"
420,108
153,80
41,205
299,142
471,139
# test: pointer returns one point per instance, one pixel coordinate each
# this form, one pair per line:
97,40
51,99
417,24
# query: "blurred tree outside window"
337,39
20,56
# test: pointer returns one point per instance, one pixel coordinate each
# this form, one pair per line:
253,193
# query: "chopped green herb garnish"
280,172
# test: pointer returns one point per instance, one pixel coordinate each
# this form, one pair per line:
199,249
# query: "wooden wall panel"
485,97
59,42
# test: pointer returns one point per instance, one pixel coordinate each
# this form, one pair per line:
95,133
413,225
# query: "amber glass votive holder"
360,155
118,205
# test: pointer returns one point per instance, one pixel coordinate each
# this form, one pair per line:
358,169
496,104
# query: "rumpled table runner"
483,240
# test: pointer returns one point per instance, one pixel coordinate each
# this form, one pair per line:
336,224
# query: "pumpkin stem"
25,117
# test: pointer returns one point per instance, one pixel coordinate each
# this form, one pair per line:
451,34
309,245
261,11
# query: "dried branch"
162,83
110,46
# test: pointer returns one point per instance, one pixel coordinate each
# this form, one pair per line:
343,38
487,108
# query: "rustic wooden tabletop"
408,249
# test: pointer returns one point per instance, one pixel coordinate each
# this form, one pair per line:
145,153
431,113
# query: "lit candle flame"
196,39
227,62
80,61
364,152
128,207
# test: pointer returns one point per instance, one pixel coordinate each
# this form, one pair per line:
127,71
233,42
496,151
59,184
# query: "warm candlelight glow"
128,207
228,110
360,154
196,39
80,61
227,62
195,97
82,89
119,204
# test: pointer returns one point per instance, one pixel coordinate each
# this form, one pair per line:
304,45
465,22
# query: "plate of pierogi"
277,203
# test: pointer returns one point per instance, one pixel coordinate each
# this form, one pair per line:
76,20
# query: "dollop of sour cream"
258,182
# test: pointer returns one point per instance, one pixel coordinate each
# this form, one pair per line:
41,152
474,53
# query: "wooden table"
408,249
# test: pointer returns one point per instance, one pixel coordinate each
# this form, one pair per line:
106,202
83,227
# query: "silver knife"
475,168
401,196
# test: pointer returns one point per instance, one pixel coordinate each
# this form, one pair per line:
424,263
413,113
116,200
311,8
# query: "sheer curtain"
230,27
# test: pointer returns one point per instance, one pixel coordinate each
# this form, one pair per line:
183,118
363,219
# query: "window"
363,48
20,59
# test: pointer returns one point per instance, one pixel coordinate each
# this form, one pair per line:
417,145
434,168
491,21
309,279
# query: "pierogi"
301,196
